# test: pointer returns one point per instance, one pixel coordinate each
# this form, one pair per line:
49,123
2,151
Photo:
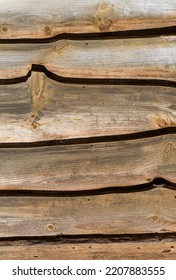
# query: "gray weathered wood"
165,250
42,109
152,211
143,58
88,166
42,19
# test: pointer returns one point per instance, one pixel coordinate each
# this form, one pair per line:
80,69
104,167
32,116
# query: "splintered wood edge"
21,20
41,109
143,212
140,58
165,250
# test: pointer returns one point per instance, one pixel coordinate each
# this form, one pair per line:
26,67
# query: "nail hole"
166,251
50,227
155,218
4,28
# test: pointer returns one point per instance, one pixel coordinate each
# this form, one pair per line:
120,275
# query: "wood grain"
140,58
43,19
165,250
88,166
152,211
42,109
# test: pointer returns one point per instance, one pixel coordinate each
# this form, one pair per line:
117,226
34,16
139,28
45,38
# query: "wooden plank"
88,166
42,109
152,211
140,58
165,250
43,19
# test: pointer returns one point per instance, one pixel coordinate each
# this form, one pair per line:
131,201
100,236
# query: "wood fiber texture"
134,58
156,250
42,109
88,166
151,211
87,129
44,19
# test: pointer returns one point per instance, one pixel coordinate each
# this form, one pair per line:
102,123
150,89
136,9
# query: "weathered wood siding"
139,58
149,211
88,129
43,109
98,249
89,166
35,19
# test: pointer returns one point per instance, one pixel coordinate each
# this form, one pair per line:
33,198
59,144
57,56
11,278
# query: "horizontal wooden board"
43,19
152,211
88,166
165,250
42,109
140,58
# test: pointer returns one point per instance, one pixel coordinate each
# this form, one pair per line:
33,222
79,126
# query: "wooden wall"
88,129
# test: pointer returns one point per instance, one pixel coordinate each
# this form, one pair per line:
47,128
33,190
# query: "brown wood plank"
152,211
42,109
36,19
165,250
140,58
88,166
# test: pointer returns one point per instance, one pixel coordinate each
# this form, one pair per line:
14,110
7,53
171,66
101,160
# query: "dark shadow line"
17,80
88,81
90,238
97,81
142,33
92,140
155,183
